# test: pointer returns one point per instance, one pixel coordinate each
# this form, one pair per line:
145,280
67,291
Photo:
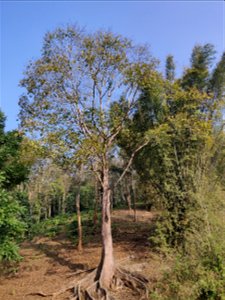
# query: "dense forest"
102,132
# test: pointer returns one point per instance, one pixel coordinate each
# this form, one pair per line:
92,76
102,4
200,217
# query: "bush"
12,228
9,251
50,227
198,270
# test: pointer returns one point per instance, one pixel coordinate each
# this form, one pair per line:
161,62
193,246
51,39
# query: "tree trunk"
134,197
50,210
123,195
128,196
63,209
135,209
106,267
79,225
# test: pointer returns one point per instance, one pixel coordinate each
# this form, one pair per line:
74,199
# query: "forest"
113,185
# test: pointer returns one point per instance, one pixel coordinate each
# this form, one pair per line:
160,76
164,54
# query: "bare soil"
50,264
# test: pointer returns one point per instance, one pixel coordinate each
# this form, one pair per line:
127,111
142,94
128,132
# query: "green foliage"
191,279
170,68
15,171
197,272
12,228
198,75
179,132
87,196
178,118
90,232
218,78
50,227
9,251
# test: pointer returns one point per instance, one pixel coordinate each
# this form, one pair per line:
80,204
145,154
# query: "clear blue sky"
168,26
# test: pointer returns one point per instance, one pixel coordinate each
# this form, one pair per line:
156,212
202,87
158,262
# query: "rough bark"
106,268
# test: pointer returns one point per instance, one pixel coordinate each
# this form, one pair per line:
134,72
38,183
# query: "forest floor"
51,263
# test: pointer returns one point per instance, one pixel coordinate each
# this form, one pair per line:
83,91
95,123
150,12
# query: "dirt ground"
49,264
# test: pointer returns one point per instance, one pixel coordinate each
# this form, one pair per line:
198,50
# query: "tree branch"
130,161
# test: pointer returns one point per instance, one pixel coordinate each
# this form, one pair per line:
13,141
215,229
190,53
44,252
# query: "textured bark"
106,268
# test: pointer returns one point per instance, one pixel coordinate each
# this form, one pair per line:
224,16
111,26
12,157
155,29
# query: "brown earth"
50,264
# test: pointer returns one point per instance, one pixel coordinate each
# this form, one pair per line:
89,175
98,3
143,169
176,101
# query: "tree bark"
106,267
79,224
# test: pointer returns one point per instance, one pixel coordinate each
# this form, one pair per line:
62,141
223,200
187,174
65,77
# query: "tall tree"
179,117
198,73
217,82
170,68
83,88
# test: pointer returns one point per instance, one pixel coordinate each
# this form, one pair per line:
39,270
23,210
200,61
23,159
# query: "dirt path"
49,264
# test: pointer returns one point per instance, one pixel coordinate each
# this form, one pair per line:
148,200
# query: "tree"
12,173
12,228
82,89
170,68
217,81
15,171
179,118
198,74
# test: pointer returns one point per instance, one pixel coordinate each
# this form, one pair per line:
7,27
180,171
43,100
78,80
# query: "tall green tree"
180,119
217,82
170,68
76,90
198,75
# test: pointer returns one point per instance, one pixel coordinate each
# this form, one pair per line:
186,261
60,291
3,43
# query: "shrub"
12,228
198,269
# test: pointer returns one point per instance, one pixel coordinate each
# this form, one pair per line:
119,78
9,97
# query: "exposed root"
134,281
55,294
90,289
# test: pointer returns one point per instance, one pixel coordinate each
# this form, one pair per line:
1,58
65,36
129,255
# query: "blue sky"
170,27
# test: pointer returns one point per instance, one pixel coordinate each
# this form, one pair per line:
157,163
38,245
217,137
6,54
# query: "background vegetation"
180,171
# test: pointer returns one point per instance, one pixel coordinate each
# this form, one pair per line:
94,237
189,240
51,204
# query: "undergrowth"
197,271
